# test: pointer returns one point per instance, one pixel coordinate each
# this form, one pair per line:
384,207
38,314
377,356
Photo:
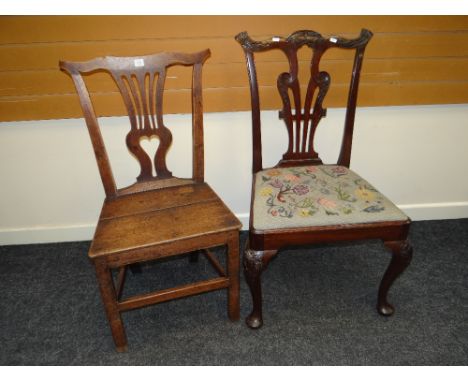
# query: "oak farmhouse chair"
159,215
301,200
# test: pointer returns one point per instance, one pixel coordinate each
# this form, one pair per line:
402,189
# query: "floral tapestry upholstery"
317,196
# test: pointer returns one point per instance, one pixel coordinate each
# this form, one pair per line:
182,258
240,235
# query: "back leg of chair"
402,252
135,268
255,262
193,256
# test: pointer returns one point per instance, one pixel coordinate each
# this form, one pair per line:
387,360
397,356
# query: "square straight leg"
111,303
109,299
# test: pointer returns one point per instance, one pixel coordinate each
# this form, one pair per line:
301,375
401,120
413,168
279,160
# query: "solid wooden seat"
153,218
160,215
300,200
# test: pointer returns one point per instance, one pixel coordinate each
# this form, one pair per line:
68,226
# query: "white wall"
51,191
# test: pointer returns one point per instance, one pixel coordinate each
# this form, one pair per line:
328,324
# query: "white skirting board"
50,190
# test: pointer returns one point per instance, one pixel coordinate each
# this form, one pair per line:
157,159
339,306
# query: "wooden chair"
162,215
301,200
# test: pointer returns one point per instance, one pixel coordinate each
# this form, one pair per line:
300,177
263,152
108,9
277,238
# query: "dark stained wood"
402,253
314,235
255,262
159,215
301,127
301,117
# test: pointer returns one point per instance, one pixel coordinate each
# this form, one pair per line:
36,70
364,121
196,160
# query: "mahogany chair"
159,215
301,200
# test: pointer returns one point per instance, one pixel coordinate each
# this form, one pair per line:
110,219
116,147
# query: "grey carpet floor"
319,308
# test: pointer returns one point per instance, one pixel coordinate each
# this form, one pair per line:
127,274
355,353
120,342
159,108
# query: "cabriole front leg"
255,262
402,252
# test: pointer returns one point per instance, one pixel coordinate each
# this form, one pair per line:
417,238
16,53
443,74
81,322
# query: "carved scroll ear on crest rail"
302,116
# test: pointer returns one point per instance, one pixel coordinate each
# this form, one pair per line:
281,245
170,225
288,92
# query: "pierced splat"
302,114
301,124
140,81
144,107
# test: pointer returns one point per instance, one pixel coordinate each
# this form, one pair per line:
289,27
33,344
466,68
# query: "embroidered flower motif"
304,213
300,189
301,192
343,195
364,194
306,203
273,172
292,178
335,171
280,196
280,211
344,184
277,183
346,209
374,208
339,170
326,202
266,191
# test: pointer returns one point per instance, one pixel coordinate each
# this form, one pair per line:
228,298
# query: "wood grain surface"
412,60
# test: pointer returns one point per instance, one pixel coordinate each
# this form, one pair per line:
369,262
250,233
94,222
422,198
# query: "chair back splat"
140,81
302,115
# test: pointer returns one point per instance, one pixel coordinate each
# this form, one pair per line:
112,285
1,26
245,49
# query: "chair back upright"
302,117
140,81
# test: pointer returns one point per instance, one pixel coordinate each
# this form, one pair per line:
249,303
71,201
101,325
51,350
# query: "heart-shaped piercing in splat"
140,143
150,145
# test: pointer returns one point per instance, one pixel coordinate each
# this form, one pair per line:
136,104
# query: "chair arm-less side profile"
160,215
301,200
